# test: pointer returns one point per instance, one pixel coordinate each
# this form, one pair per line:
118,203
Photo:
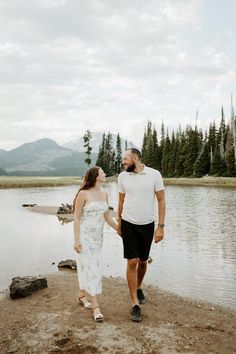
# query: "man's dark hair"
135,152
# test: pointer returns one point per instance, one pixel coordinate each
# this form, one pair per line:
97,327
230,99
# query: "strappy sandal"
83,301
99,317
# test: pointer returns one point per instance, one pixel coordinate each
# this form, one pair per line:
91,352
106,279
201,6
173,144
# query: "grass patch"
32,182
204,181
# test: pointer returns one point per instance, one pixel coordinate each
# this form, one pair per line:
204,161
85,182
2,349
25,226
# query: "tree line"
192,152
183,153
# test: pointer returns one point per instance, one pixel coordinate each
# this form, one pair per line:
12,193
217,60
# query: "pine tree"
212,140
87,137
172,156
202,164
149,146
180,155
106,155
218,166
156,156
101,153
126,144
144,146
166,157
118,156
233,129
223,136
192,151
112,171
162,144
229,154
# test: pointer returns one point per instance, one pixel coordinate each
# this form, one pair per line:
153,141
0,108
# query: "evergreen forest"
183,153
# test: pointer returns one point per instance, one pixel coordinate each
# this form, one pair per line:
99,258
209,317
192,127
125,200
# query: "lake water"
197,258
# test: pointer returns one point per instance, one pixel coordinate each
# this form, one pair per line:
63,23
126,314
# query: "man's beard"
130,168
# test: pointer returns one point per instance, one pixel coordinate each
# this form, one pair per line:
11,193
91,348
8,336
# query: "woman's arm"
109,219
79,203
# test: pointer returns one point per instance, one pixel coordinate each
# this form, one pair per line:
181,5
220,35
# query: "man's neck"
139,167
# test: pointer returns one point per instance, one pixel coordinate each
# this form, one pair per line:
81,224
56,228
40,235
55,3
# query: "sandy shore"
51,321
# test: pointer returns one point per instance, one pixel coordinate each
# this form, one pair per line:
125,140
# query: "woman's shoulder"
83,192
82,195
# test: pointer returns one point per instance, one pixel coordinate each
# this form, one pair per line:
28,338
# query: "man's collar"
143,172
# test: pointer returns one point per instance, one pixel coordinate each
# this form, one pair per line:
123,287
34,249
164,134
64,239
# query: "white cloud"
71,65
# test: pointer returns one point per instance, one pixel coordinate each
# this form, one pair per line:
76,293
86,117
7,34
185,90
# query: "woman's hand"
77,246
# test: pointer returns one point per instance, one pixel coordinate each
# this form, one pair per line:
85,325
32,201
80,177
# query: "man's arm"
120,208
159,232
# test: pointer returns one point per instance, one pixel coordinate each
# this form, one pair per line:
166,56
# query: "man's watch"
161,225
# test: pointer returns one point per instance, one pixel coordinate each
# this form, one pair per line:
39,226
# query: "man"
138,186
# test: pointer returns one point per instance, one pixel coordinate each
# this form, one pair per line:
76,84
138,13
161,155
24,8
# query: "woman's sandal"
83,301
99,317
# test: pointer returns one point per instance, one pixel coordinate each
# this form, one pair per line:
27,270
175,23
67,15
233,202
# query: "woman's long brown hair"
88,182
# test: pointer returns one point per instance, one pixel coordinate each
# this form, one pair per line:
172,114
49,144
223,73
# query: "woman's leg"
81,293
82,299
98,316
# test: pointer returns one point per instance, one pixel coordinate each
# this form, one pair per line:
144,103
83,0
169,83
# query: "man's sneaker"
141,297
135,313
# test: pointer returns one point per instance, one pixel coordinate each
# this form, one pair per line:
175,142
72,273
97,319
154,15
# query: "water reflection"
197,258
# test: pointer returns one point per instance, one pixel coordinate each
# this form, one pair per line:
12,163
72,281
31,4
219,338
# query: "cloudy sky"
112,65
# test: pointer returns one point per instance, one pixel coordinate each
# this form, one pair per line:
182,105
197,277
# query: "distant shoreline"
7,182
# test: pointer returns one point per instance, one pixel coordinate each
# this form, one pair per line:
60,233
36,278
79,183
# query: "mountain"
33,153
2,172
95,142
2,152
43,157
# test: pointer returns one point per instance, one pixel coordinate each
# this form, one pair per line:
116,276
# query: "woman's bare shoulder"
81,195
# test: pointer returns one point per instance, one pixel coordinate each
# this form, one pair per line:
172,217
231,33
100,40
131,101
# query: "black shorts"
137,239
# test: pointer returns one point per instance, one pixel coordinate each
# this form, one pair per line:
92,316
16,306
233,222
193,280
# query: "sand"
51,321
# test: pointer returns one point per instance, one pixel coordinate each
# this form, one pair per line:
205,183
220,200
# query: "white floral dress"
89,262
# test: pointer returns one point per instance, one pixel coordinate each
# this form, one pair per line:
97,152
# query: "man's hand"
158,234
77,246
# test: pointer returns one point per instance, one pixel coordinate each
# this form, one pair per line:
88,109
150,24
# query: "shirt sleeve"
158,183
120,184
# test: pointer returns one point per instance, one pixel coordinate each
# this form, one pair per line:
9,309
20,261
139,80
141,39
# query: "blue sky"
109,65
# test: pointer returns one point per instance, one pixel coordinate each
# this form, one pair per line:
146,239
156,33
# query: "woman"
90,210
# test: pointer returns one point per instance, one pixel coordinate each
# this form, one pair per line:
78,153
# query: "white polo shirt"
140,200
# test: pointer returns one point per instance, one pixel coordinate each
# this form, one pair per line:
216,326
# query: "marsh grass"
32,182
204,181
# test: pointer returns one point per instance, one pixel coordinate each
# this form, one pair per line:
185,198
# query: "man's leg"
142,268
132,279
145,241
